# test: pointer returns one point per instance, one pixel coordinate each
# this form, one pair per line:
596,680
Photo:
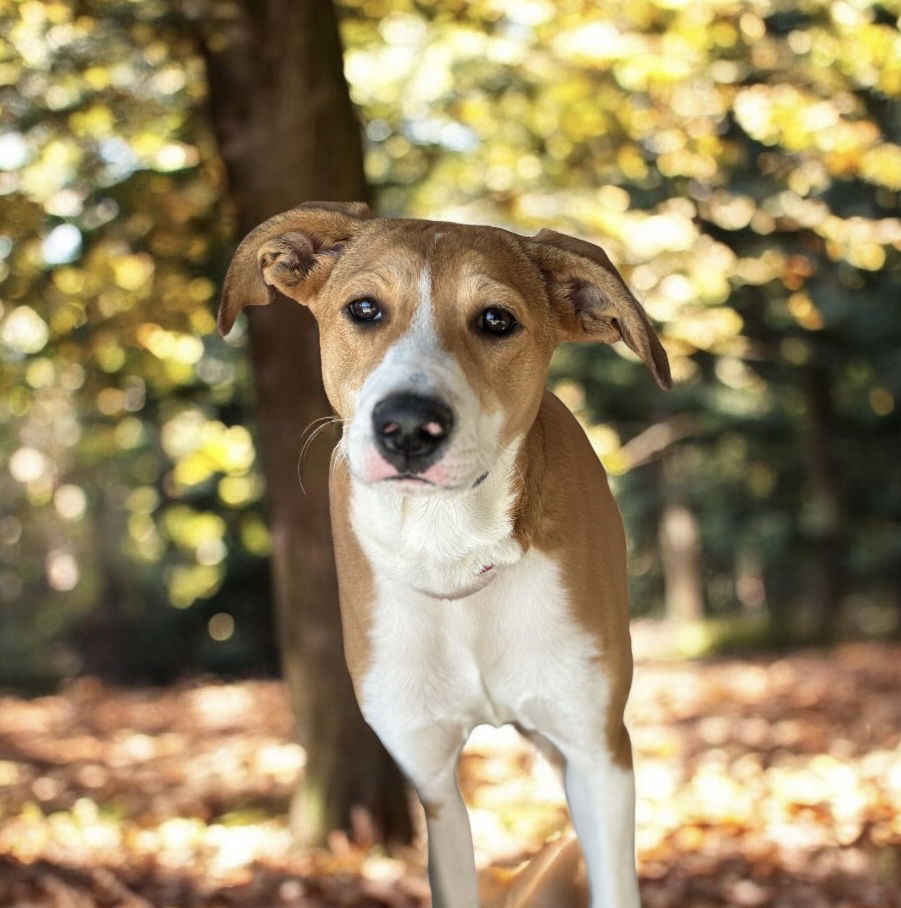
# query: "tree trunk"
286,130
680,551
680,548
750,587
822,511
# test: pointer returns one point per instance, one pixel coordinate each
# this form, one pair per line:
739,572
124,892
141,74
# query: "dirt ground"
762,782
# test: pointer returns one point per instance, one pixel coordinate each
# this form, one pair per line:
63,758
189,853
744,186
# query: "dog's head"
435,337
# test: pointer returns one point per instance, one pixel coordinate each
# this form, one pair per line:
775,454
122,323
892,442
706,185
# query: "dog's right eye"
364,310
497,321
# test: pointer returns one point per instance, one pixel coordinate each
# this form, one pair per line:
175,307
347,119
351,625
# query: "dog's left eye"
364,310
497,321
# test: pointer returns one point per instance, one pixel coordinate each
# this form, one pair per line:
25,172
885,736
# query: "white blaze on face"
418,364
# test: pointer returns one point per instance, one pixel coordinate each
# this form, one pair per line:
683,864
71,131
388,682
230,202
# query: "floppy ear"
292,253
592,300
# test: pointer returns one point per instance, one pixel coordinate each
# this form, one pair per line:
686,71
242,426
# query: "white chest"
510,652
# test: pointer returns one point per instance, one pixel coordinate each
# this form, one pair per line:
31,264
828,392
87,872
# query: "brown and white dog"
481,556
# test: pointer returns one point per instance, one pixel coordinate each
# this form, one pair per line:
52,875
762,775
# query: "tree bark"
287,133
823,509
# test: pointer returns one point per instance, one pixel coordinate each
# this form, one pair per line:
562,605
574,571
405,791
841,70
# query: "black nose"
410,430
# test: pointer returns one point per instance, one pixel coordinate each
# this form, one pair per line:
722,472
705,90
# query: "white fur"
601,799
511,652
439,544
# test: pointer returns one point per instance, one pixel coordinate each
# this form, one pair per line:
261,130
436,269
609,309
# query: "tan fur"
384,262
553,878
585,533
593,301
355,580
320,225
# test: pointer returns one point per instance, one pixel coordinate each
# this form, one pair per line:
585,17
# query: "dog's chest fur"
448,547
508,652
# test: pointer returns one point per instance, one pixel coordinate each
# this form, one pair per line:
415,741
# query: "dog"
481,557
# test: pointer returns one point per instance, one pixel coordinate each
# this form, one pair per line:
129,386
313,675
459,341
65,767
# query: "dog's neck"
447,545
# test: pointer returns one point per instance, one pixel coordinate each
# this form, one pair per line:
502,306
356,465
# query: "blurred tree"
131,494
133,486
287,134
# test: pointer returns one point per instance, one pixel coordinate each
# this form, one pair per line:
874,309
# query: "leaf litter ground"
762,782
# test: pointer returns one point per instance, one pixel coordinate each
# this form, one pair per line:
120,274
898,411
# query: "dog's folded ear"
592,301
292,253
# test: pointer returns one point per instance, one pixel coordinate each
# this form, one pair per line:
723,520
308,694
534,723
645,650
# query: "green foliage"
129,485
740,162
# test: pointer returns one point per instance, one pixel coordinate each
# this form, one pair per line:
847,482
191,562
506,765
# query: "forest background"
739,161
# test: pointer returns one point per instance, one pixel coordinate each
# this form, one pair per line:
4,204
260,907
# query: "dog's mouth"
419,480
447,475
415,483
411,477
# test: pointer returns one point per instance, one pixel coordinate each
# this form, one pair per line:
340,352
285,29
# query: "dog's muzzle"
411,431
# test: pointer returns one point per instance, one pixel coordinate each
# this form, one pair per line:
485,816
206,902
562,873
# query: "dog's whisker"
309,435
339,457
314,424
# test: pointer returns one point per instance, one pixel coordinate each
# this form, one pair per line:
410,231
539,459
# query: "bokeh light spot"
61,245
28,464
62,571
24,331
221,627
70,501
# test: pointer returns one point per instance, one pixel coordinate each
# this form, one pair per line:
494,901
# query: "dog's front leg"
452,873
601,797
428,756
